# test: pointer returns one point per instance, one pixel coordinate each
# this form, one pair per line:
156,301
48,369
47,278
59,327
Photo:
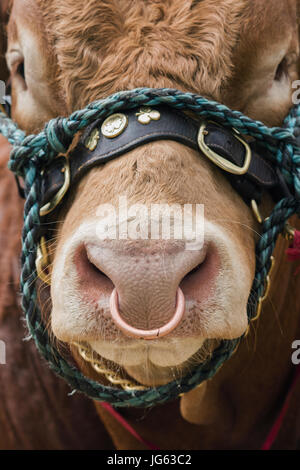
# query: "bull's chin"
162,352
157,363
151,375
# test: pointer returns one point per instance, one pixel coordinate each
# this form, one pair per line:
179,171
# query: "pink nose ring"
147,334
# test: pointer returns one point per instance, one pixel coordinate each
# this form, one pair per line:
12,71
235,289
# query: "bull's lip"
168,353
151,374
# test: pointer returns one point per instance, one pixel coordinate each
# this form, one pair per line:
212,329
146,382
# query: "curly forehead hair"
97,47
120,45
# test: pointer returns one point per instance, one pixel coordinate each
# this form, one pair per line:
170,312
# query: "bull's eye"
21,70
286,66
282,70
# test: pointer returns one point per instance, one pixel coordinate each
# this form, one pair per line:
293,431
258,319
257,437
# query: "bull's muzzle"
147,334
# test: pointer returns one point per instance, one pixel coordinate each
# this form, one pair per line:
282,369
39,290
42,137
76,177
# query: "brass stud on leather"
114,125
92,140
146,115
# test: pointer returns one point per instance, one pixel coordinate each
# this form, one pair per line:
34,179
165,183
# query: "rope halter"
32,155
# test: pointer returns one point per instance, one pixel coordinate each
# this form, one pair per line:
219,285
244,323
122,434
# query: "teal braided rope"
271,229
58,133
31,154
288,161
10,130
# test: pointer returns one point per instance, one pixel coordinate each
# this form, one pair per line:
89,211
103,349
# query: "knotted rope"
31,154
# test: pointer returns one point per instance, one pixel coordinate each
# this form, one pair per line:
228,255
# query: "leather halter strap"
176,126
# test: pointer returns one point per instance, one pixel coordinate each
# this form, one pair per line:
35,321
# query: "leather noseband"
123,132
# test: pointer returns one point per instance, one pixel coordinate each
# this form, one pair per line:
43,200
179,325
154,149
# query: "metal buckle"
221,162
51,205
42,261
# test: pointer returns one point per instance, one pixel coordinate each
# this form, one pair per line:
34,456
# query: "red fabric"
293,252
278,423
127,426
266,445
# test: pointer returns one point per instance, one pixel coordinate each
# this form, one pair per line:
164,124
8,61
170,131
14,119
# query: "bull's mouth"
215,284
140,376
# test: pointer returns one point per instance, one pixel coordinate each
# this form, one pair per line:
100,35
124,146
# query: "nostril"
200,281
96,270
194,271
92,281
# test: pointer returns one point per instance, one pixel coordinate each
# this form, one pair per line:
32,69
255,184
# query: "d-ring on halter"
220,161
147,334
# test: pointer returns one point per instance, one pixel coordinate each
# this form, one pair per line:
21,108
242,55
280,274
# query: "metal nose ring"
147,334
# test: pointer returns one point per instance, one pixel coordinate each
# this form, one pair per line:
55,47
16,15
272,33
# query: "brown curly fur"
202,38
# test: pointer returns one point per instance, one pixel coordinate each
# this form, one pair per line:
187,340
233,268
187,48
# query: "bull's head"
65,54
